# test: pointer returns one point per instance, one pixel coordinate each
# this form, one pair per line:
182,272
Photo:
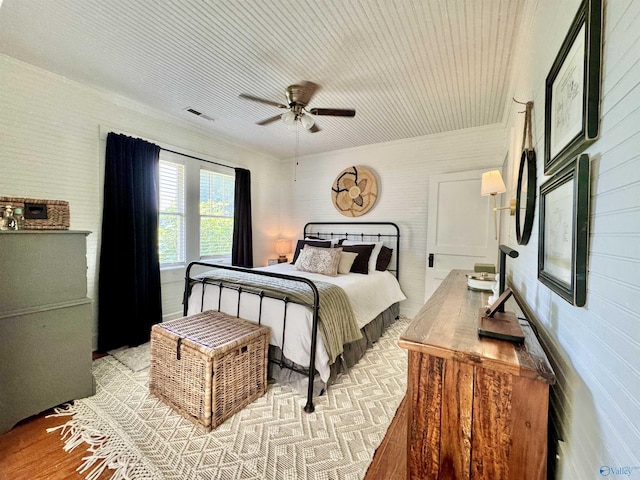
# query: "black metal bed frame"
315,306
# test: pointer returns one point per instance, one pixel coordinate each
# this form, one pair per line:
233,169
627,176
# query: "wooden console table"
477,406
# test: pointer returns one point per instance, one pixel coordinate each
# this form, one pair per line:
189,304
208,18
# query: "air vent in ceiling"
199,114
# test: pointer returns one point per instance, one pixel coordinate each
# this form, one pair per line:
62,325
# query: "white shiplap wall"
403,169
51,147
595,350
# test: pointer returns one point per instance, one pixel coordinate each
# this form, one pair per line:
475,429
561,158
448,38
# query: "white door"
460,229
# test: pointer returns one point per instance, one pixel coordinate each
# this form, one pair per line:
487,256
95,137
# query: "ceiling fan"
298,97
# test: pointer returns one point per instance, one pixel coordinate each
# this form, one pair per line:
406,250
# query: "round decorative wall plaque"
354,191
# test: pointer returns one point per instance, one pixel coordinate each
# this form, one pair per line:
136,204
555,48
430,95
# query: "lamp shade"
307,121
288,118
492,183
283,246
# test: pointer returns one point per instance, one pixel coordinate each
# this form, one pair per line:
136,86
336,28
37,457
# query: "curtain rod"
197,158
105,130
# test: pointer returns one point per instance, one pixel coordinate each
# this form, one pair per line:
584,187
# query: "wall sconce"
492,184
283,246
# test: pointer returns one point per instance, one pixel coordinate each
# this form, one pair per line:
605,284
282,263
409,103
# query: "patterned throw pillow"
319,260
316,243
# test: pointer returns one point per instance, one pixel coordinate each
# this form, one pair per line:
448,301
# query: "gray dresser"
45,322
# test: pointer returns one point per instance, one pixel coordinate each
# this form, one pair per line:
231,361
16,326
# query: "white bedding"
369,296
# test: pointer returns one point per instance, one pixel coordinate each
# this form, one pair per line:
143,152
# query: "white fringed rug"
139,437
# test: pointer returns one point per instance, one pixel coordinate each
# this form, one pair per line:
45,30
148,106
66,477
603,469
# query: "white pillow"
373,259
334,241
319,260
346,260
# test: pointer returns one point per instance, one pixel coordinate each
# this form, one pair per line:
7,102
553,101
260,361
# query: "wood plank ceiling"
408,67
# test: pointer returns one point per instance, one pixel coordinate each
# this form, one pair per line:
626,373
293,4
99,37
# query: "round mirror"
526,196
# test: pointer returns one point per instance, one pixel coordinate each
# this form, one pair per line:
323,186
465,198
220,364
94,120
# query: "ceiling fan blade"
309,89
262,100
269,120
336,112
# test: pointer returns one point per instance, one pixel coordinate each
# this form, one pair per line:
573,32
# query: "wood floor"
28,452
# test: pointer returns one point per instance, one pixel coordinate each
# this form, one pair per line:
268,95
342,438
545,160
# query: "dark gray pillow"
384,258
361,263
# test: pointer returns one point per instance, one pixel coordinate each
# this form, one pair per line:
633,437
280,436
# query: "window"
171,225
196,211
216,214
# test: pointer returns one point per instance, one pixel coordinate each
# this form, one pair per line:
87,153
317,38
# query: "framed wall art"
572,93
563,232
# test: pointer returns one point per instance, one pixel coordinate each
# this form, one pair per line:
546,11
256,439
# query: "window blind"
216,214
171,229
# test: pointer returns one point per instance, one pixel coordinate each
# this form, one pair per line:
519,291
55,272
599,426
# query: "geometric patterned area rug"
136,358
137,436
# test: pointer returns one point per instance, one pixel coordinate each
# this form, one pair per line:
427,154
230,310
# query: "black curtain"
242,247
129,282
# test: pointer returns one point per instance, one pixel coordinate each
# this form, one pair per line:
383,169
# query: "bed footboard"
190,281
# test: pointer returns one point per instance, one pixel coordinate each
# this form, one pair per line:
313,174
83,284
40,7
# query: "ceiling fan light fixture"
307,121
289,118
298,98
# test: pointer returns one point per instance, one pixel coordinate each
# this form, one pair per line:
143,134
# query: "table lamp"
283,246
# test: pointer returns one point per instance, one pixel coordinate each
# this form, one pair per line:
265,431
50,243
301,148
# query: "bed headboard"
386,232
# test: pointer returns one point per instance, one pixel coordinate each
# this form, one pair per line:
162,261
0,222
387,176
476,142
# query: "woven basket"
208,366
55,212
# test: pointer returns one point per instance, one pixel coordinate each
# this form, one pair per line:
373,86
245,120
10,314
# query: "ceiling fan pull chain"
295,170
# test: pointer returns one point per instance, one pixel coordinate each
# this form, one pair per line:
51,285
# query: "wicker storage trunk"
40,214
208,366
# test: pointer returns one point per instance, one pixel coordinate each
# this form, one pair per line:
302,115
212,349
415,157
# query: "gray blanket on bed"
336,321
